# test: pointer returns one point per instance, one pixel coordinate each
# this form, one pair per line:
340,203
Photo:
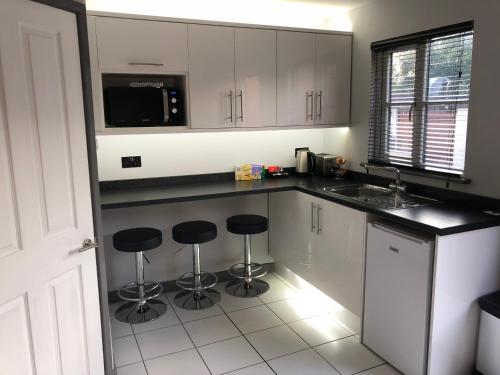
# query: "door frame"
80,12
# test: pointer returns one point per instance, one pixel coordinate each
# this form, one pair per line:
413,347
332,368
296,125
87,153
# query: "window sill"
427,174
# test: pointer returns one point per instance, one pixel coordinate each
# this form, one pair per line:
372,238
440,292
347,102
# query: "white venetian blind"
420,99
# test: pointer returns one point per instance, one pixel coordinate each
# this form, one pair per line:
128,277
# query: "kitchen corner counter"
442,219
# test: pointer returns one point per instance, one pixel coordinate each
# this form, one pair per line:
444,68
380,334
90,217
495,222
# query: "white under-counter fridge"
398,296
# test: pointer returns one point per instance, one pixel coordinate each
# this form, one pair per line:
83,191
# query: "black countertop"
441,219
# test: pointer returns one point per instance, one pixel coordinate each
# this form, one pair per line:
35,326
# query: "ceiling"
349,4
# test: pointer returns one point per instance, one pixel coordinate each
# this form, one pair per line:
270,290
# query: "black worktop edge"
464,199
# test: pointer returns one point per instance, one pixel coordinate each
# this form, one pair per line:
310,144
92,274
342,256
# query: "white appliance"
397,296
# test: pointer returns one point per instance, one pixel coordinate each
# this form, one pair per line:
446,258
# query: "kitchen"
288,167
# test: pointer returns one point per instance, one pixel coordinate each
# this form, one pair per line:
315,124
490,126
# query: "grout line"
327,361
187,333
248,341
370,368
129,364
329,342
241,368
165,355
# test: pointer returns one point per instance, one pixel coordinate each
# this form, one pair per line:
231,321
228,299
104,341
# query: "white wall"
383,19
196,153
306,13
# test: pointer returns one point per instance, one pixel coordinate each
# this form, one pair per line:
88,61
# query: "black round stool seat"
194,232
137,239
247,224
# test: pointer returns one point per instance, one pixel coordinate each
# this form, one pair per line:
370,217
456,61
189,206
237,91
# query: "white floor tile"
381,370
294,309
349,356
163,341
230,303
319,329
125,351
304,362
260,369
209,330
166,320
135,369
278,290
190,315
255,319
118,329
183,363
229,355
275,342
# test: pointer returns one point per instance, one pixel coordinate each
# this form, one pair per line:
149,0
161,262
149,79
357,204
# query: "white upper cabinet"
211,76
255,69
141,46
295,70
333,79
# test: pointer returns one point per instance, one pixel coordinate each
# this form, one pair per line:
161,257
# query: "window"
420,100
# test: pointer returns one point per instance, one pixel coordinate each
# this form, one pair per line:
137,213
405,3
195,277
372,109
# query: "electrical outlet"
131,161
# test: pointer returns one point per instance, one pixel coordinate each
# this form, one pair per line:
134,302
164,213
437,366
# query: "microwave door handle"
166,111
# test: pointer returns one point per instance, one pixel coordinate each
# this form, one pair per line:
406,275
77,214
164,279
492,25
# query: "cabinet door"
295,69
290,230
141,46
333,79
255,68
211,76
337,255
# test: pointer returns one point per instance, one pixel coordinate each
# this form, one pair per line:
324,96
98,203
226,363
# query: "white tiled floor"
270,334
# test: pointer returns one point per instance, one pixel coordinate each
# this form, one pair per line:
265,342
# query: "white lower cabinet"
320,241
397,297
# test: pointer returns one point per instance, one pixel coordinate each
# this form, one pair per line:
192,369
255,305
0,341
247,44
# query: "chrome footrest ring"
187,281
130,292
256,271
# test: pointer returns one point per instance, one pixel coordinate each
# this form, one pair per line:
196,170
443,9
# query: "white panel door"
211,76
333,79
337,256
141,46
295,70
49,309
255,71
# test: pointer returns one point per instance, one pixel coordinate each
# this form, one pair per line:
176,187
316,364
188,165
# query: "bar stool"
143,305
246,284
198,293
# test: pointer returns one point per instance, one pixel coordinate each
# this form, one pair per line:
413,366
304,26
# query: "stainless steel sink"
379,196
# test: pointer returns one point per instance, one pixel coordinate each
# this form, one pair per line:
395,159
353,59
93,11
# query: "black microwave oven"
143,106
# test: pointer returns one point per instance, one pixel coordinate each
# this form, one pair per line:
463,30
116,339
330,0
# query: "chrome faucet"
397,187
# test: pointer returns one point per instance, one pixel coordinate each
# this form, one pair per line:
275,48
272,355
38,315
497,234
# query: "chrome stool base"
242,270
197,300
132,291
137,312
245,289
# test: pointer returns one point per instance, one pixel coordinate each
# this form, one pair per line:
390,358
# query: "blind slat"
419,101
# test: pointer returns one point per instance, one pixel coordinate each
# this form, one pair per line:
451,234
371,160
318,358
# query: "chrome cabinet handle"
87,245
240,95
230,96
319,96
133,63
309,105
320,208
313,208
